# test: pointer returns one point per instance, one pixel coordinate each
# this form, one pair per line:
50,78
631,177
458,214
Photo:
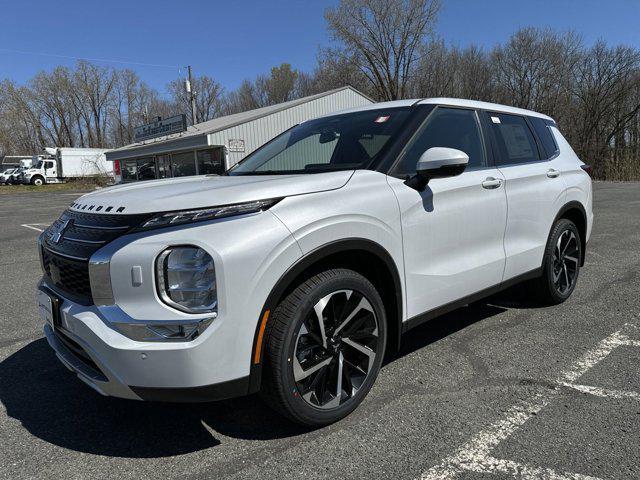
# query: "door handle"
491,183
553,173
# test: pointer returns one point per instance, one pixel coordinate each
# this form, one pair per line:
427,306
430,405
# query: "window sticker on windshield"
382,119
495,119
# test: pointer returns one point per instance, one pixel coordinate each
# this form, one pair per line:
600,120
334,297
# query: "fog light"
164,331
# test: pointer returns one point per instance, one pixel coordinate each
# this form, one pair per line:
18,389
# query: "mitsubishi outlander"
295,272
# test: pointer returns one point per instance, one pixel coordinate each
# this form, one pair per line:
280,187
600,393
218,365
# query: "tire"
561,264
304,359
37,181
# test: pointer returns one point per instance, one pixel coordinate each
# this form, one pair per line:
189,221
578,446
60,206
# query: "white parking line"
25,225
604,392
475,455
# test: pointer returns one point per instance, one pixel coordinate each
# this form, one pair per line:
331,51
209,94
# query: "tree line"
385,48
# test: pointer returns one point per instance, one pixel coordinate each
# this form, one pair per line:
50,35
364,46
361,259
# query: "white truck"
65,163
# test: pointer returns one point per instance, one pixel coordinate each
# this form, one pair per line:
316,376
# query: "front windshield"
39,164
341,142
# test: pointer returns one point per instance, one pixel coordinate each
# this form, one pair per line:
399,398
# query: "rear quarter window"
549,145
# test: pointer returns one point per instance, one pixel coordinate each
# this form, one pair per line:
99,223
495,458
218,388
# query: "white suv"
295,272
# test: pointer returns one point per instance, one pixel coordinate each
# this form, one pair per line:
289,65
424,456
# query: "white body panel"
206,191
531,196
452,236
223,351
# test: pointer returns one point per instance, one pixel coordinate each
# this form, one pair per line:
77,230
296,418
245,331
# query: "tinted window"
445,127
515,140
146,168
339,142
183,164
129,171
210,161
545,136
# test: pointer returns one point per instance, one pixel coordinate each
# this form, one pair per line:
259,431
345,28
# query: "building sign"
159,128
236,145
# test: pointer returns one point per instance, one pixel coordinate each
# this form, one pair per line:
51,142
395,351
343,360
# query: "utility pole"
192,98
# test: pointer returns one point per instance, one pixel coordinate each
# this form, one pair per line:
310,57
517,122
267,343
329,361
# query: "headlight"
187,216
186,279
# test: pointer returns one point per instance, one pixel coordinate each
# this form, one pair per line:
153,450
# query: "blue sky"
233,40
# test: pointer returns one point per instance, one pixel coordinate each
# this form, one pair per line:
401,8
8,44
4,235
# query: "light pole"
192,98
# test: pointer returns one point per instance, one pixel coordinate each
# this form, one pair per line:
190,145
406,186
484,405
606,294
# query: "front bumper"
114,365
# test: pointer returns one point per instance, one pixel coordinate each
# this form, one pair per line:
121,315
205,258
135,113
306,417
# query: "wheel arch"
362,255
575,212
37,176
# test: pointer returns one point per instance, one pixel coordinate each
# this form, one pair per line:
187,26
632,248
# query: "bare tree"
333,70
535,68
208,97
281,85
93,88
278,87
384,38
607,101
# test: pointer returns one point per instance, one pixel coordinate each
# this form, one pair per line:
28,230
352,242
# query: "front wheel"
325,347
37,181
561,264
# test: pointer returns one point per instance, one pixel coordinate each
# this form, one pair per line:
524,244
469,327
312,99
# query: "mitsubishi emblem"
58,232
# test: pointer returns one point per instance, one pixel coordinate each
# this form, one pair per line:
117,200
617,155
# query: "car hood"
204,191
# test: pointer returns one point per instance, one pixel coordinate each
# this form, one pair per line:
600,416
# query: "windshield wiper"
266,172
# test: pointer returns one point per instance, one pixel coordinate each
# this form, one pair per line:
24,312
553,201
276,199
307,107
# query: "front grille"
67,246
69,275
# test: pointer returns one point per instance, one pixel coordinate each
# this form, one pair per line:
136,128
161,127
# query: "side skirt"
436,312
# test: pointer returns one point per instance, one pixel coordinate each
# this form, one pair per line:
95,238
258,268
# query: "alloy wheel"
335,349
565,262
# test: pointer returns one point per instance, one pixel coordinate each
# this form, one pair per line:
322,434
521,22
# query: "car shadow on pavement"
55,406
444,325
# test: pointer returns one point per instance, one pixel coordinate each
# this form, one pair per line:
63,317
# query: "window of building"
211,161
146,168
446,127
129,171
163,163
183,164
515,140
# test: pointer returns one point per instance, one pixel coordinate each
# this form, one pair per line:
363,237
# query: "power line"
105,60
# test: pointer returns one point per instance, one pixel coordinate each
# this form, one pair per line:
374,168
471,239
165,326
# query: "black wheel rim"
565,262
336,348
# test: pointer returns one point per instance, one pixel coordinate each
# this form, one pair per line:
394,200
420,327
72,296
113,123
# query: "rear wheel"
325,347
561,264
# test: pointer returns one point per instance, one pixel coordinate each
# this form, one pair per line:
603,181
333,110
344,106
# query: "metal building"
218,144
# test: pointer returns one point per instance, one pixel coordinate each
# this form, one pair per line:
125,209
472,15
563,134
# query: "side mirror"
438,162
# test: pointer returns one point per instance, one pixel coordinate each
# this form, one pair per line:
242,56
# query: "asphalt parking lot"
500,389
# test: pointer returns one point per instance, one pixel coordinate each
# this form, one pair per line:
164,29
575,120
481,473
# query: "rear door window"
516,143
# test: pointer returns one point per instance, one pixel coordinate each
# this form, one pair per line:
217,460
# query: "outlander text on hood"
298,270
